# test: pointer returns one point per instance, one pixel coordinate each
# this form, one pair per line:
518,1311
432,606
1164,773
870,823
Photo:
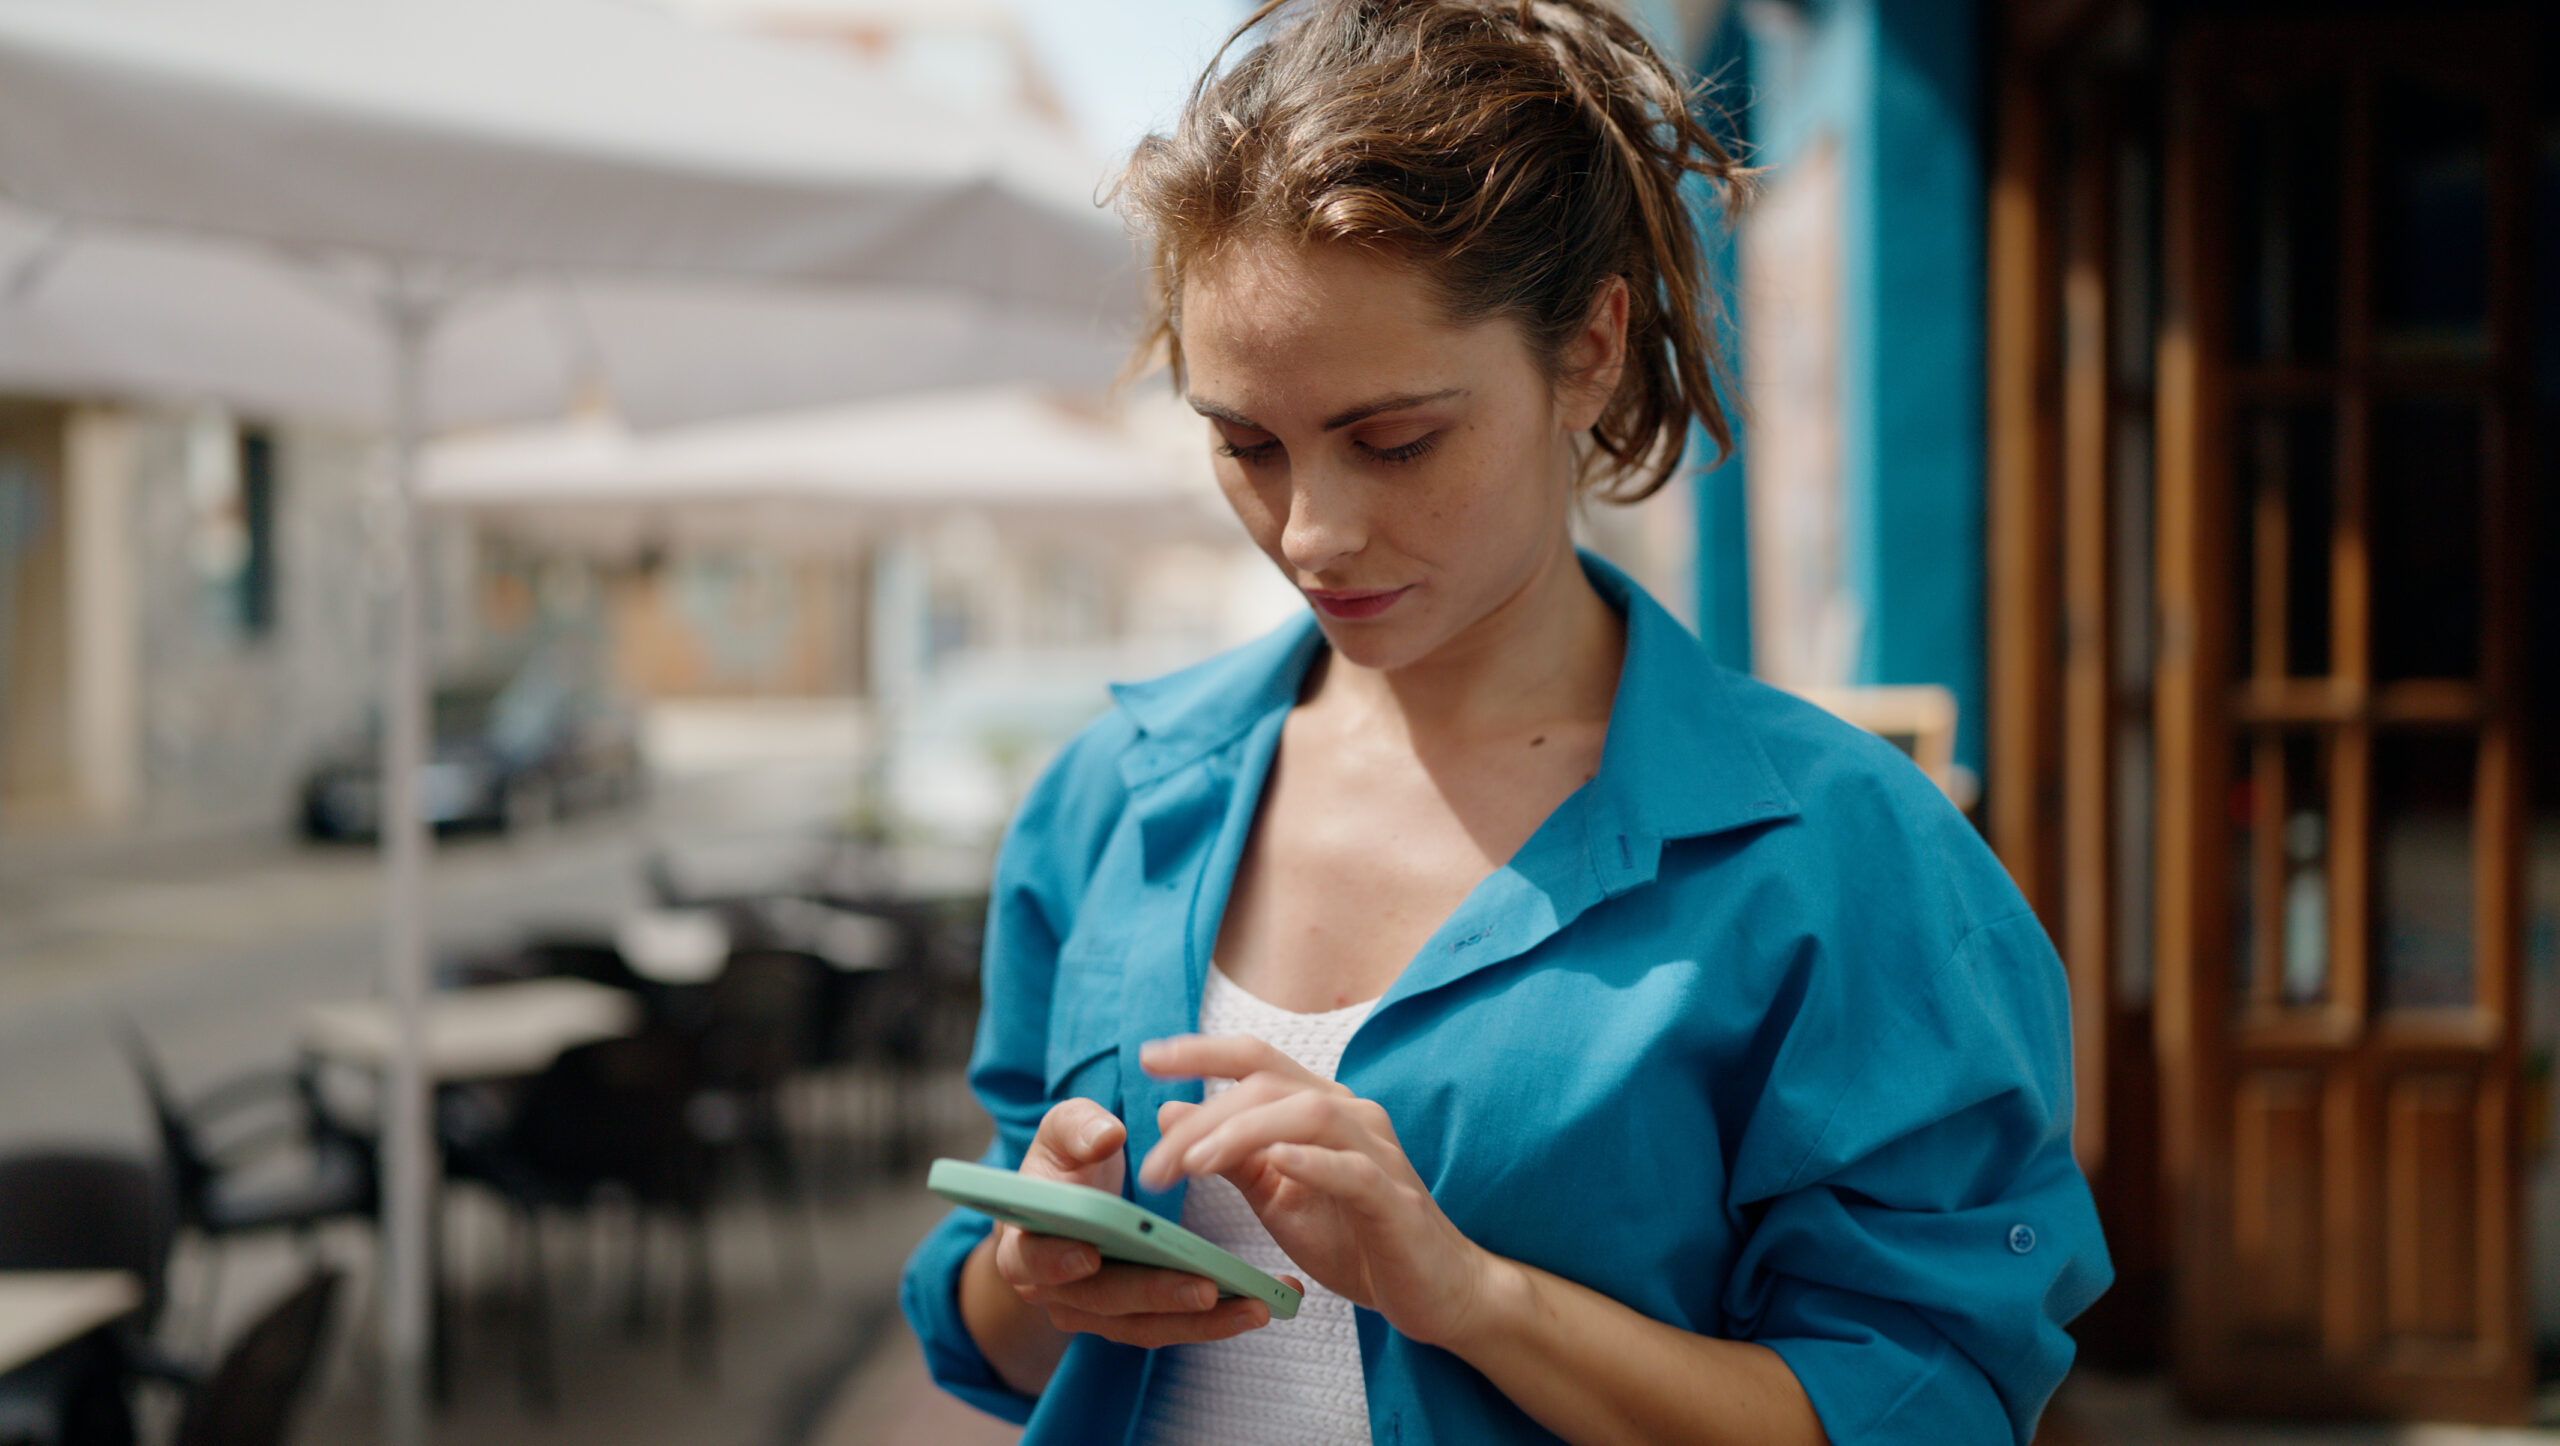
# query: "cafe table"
493,1031
43,1309
487,1032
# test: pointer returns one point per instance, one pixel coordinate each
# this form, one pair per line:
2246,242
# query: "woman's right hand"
1136,1305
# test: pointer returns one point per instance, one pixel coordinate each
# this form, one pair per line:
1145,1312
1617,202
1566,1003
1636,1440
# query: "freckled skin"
1436,736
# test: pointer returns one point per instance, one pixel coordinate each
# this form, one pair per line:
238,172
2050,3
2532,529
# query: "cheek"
1257,508
1489,489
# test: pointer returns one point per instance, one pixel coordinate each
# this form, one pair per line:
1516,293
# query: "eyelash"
1261,451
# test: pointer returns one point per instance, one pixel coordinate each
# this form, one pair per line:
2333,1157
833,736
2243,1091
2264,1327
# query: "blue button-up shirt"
1753,1035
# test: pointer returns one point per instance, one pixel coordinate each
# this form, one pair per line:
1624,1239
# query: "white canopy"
86,311
567,134
579,169
432,168
818,479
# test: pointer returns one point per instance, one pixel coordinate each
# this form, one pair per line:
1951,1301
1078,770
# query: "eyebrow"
1338,420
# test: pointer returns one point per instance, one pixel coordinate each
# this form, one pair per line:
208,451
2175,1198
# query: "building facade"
2165,380
187,613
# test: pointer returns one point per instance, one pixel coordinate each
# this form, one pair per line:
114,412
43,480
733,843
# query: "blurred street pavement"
212,943
2095,1409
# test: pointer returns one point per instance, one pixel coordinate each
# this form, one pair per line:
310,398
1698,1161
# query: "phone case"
1121,1229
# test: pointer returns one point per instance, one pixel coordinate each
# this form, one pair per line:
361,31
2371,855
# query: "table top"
42,1309
673,946
496,1031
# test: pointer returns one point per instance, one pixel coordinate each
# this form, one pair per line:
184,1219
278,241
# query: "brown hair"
1519,153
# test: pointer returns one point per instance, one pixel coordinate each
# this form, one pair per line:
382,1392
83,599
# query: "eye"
1251,453
1404,453
1247,444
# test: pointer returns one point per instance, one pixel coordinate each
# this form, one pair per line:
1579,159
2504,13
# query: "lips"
1353,605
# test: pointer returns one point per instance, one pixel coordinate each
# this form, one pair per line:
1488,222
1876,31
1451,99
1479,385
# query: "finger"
1028,1258
1170,1113
1073,1138
1353,1178
1218,1056
1303,1118
1162,1167
1231,1318
1123,1289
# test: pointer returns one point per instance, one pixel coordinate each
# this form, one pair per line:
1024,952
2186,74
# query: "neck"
1548,654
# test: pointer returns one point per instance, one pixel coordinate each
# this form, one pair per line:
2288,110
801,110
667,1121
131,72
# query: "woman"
1618,1050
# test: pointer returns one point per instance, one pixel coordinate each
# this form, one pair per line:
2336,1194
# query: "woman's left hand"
1323,1169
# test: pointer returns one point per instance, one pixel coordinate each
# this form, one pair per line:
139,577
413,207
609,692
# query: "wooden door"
2341,424
2074,261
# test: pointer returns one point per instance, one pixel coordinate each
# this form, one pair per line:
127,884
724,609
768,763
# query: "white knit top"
1293,1381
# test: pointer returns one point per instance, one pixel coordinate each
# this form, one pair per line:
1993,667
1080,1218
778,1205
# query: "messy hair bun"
1519,153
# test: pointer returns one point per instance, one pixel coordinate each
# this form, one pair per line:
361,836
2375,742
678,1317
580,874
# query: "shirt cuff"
1896,1387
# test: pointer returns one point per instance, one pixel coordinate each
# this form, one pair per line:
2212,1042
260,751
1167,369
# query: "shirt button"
2021,1239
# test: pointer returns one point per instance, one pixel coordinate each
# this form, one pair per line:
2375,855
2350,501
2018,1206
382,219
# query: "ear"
1595,357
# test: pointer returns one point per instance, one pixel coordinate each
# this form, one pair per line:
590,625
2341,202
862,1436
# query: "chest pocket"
1084,1029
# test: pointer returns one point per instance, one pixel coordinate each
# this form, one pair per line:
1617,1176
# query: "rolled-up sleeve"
1916,1263
1047,855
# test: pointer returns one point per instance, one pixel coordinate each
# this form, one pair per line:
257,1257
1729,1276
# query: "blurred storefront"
181,626
2165,384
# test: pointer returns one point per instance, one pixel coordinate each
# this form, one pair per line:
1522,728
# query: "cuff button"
2021,1239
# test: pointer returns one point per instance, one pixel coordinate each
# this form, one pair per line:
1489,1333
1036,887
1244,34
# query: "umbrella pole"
408,1155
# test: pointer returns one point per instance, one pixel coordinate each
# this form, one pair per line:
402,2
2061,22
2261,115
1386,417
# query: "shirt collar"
1680,759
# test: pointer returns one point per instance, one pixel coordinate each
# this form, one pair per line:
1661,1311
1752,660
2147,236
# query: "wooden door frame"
2203,705
2052,599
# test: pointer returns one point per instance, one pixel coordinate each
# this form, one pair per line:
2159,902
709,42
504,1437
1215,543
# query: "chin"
1379,649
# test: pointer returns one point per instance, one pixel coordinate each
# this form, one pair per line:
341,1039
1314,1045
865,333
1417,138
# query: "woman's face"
1411,477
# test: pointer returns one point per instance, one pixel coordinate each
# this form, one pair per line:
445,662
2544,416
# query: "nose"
1325,524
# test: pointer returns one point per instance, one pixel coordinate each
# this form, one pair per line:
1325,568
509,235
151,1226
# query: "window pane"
2136,841
2134,326
2426,540
2306,870
2431,225
2423,786
2287,480
2247,942
2285,220
2281,859
2130,500
257,603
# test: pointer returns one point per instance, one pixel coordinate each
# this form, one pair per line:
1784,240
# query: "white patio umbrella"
422,162
86,310
828,478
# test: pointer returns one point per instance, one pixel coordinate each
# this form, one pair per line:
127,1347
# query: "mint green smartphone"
1121,1229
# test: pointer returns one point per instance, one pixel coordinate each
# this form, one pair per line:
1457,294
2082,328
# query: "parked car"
504,753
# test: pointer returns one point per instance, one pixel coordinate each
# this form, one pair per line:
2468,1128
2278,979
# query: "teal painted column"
1718,496
1913,470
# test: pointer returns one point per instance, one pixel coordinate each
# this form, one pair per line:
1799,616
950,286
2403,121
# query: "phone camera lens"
1146,1227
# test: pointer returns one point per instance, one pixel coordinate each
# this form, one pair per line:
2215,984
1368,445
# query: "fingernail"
1200,1297
1093,1135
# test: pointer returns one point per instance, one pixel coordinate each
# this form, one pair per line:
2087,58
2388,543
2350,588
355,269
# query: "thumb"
1079,1134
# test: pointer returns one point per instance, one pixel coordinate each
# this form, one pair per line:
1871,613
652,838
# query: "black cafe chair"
249,1398
73,1208
216,1151
616,1115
